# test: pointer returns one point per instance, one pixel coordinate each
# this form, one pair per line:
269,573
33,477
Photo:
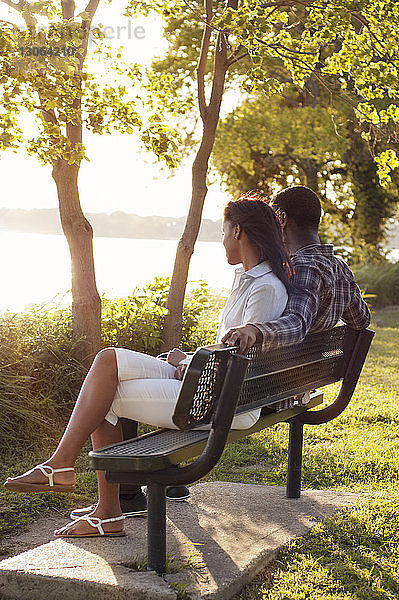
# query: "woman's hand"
179,373
175,356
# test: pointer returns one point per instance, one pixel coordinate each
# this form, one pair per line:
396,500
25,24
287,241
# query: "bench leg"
156,527
294,459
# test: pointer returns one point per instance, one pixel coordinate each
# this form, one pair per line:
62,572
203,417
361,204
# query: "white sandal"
95,522
14,485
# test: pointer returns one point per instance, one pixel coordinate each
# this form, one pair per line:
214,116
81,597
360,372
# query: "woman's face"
231,243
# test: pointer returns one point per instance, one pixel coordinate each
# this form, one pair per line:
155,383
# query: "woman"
124,383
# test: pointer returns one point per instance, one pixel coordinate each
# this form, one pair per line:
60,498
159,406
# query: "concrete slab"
218,540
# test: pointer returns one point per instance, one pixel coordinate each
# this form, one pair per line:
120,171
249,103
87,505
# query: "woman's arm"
175,356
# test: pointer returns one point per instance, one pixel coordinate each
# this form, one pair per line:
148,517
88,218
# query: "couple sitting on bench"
273,300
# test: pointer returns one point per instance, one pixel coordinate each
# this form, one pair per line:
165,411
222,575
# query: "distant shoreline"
116,225
121,225
96,236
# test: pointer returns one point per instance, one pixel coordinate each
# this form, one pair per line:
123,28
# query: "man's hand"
175,356
179,373
245,336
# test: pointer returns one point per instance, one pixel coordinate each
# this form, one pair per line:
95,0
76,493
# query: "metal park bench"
220,383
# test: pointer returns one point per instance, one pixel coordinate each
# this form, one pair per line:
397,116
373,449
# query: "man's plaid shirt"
324,292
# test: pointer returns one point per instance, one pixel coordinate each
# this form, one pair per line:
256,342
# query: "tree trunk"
311,171
373,204
172,330
86,302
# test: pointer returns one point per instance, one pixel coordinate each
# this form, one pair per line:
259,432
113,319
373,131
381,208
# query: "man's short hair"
300,204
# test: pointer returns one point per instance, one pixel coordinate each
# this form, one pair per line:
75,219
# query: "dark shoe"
132,506
177,493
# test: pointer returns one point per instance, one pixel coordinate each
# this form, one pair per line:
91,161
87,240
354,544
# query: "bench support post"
156,527
294,459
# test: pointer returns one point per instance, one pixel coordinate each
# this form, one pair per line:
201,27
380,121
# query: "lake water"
36,267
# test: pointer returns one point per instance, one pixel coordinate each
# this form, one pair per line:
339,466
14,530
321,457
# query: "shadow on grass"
354,555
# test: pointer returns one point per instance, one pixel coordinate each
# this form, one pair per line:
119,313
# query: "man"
324,288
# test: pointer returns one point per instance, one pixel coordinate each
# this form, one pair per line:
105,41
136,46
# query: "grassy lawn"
354,555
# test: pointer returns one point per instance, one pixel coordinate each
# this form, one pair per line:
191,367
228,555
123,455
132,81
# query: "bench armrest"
191,383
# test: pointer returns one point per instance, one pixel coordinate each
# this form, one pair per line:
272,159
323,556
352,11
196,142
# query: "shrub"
381,280
39,376
136,322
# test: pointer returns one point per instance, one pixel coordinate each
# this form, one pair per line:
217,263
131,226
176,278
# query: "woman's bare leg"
93,403
108,493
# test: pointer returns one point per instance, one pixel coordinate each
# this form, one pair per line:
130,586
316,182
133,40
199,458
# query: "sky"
118,177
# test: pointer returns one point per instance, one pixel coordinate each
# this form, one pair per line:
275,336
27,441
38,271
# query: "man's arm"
294,324
357,314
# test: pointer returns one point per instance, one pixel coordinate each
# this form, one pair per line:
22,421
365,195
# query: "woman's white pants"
147,392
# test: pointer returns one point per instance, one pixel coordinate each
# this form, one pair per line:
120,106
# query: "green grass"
353,556
174,564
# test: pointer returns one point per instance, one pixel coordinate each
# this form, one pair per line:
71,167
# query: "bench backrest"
321,359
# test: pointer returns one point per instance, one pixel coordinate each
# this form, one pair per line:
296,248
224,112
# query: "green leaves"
351,46
41,71
387,161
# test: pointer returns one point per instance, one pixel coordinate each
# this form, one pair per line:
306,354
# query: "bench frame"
210,448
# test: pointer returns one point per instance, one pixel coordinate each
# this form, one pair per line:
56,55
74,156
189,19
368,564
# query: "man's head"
299,210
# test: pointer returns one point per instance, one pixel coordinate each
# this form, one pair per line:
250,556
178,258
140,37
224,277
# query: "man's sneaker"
132,506
177,493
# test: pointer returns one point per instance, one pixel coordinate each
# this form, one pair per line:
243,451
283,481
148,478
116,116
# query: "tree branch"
68,9
220,68
91,9
290,4
203,107
48,116
231,61
291,100
235,52
280,46
200,17
366,24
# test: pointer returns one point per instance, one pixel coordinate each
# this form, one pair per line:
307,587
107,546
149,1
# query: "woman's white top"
257,296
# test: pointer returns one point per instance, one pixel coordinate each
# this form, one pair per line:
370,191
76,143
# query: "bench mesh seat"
157,450
164,448
156,444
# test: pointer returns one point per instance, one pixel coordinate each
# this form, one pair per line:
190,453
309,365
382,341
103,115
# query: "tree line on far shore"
118,224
